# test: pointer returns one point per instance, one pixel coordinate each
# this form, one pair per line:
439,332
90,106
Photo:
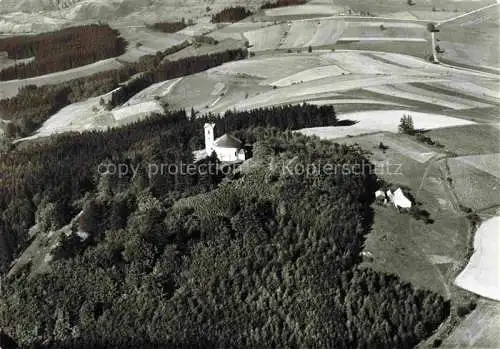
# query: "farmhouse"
227,148
399,199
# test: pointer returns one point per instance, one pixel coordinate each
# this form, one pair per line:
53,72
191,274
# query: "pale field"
411,92
475,90
482,273
306,9
382,8
91,115
142,41
473,40
340,100
328,31
388,121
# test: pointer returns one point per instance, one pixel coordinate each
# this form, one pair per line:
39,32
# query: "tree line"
231,14
168,27
261,258
282,3
61,50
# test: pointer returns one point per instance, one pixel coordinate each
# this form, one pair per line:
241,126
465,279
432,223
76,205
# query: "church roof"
228,141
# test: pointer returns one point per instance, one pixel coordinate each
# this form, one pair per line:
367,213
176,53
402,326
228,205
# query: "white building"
227,148
380,196
399,199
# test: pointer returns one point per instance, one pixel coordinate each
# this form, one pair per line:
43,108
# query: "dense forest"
231,14
33,105
255,258
61,50
67,160
282,3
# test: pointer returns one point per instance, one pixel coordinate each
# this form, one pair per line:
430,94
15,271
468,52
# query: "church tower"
209,138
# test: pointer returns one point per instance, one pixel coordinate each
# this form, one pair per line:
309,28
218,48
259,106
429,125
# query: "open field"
90,115
329,31
382,8
383,120
472,40
373,70
479,330
407,91
468,140
425,254
318,9
305,77
489,163
143,41
350,79
482,274
475,188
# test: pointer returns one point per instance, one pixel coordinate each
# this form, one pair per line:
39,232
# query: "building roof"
228,141
401,200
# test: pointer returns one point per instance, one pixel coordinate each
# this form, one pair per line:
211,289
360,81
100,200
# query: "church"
227,148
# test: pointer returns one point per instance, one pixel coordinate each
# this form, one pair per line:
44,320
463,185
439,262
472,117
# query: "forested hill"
265,257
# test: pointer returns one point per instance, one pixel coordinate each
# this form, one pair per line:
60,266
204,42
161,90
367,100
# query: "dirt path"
466,14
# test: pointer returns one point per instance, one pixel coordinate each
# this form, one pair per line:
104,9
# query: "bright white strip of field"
473,89
391,25
391,39
352,101
361,63
271,68
268,38
75,117
409,62
322,32
310,74
419,94
304,34
137,111
91,115
489,163
307,9
482,273
322,88
383,121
